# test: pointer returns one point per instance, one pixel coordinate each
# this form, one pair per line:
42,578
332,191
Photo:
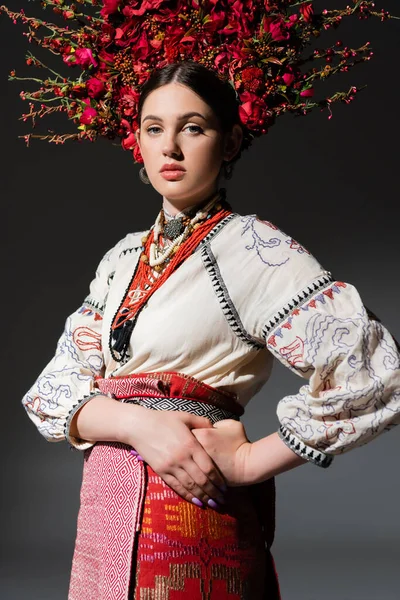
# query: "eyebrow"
180,117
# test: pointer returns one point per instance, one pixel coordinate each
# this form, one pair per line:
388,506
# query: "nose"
171,146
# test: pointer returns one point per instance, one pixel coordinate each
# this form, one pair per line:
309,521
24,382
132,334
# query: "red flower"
109,7
250,110
137,154
307,11
253,79
88,115
288,78
129,142
95,87
79,90
277,29
143,6
309,93
84,57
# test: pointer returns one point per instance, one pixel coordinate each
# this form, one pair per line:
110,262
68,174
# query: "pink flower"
288,78
88,116
109,7
95,87
84,57
309,93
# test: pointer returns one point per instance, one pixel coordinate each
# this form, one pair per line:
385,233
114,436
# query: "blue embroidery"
258,243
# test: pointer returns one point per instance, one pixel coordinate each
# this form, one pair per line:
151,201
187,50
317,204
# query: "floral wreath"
112,48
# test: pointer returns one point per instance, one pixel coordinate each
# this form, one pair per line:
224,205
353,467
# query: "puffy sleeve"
68,380
325,334
321,330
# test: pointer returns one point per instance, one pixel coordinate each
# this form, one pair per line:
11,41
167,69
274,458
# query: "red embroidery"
267,223
34,407
333,431
86,339
293,353
329,293
327,387
294,245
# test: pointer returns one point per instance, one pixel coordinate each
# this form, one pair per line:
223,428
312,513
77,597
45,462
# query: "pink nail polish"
134,452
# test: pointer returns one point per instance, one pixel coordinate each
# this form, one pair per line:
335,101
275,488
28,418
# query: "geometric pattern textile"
114,491
187,552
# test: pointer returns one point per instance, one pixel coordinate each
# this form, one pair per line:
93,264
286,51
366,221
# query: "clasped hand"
228,446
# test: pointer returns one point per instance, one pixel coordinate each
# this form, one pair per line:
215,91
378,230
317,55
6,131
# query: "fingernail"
212,503
139,457
134,452
197,502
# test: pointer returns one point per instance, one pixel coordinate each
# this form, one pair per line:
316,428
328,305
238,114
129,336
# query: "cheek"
207,154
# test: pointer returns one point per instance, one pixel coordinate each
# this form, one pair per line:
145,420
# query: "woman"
181,325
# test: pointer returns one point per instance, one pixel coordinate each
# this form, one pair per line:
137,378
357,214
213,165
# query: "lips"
171,167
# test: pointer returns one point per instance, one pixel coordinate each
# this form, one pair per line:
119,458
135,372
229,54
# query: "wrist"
129,425
269,457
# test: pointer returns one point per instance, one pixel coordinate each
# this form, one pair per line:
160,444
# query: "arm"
68,382
352,364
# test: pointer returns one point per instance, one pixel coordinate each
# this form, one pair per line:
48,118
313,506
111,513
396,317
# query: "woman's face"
178,127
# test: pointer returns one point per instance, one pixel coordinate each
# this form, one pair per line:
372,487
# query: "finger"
204,487
177,487
209,468
197,491
193,421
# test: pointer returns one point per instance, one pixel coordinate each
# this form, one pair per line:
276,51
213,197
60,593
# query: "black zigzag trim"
130,250
224,299
301,449
201,409
93,305
74,409
297,301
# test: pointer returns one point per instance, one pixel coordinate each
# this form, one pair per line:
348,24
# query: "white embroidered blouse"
247,294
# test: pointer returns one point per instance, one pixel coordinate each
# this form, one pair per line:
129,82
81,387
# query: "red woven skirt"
192,553
179,550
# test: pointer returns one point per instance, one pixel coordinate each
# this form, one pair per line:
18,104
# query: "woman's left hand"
228,446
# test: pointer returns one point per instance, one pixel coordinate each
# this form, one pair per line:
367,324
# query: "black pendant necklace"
173,228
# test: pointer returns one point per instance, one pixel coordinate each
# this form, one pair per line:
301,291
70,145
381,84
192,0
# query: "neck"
174,207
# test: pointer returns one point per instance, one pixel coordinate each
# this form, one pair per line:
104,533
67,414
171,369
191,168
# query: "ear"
137,136
233,141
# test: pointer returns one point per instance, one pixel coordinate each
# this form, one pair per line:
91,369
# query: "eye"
197,128
150,129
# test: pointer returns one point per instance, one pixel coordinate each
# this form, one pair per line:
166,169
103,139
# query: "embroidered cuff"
301,449
74,442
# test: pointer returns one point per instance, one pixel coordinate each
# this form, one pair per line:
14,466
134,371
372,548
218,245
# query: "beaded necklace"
147,279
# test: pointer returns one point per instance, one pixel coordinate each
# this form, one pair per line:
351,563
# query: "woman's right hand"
164,440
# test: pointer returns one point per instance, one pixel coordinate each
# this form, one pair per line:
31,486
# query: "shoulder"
125,246
268,248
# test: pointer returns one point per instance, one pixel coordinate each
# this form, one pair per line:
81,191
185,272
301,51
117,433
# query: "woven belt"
173,391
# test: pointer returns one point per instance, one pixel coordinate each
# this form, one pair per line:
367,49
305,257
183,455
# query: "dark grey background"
333,185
